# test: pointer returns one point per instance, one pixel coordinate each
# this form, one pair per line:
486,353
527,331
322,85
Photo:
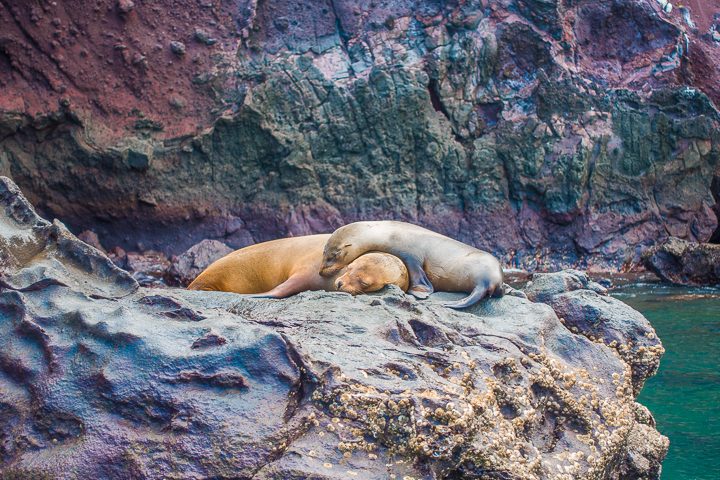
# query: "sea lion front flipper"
293,285
420,286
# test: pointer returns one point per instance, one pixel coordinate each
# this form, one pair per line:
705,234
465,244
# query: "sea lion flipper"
475,296
420,291
293,285
420,286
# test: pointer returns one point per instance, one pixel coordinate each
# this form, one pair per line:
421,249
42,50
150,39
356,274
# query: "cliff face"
586,128
100,378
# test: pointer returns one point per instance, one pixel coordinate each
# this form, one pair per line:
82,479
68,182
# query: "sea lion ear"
347,245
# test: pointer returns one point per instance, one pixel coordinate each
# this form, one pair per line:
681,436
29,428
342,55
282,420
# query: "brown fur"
284,267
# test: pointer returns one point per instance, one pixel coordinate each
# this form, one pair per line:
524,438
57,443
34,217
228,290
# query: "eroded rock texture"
684,263
169,383
35,253
586,128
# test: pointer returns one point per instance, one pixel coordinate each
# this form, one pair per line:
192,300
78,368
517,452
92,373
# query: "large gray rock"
35,253
684,263
188,384
193,261
585,308
542,287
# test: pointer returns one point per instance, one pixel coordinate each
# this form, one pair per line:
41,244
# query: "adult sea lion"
433,260
284,267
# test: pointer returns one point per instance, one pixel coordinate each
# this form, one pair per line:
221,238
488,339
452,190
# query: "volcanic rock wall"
586,128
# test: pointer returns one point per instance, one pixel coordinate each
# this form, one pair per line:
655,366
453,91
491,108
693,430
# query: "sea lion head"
372,272
340,250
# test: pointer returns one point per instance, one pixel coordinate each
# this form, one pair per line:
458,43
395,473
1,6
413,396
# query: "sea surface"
684,396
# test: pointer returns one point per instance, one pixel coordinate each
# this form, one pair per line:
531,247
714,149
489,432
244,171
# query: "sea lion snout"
349,283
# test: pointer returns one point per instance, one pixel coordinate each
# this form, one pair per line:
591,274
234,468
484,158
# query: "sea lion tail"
478,293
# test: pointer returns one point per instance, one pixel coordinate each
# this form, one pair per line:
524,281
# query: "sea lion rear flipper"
420,286
475,296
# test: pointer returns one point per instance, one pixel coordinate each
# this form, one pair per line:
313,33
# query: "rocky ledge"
684,263
105,379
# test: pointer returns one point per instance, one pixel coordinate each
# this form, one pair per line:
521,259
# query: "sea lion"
284,267
433,260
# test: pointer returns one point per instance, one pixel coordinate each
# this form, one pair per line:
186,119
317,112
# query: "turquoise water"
684,396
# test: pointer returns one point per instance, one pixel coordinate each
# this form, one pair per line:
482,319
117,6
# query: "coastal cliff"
568,132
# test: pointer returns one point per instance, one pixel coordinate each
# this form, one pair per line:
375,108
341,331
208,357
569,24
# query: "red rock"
91,238
149,268
125,6
684,263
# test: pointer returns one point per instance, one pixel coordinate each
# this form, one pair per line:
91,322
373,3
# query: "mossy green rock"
513,132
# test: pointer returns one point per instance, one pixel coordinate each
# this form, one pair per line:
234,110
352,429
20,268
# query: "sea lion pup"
433,260
284,267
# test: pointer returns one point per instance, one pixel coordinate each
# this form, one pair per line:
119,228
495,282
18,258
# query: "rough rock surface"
91,238
35,253
190,264
151,268
585,128
584,307
186,384
685,263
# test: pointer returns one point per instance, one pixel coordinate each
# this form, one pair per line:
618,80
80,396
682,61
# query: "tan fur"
371,272
287,266
434,261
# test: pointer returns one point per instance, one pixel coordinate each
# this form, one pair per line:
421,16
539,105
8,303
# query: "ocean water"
684,396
